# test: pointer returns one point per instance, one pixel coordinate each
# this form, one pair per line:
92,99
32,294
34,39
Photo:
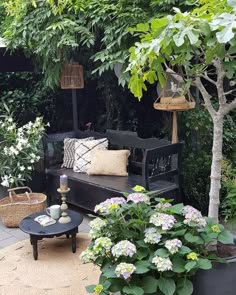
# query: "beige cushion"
69,150
106,162
83,152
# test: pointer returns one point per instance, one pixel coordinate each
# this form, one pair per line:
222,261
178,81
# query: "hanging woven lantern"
171,97
72,76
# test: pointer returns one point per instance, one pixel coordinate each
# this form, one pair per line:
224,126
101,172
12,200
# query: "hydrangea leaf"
178,265
190,265
167,286
204,263
226,237
162,253
184,287
149,284
134,290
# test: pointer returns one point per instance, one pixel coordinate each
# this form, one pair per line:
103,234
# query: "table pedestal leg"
34,243
73,242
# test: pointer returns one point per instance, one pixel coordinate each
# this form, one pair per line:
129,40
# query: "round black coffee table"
38,232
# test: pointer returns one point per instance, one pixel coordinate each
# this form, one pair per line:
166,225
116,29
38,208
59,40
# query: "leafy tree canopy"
194,40
51,30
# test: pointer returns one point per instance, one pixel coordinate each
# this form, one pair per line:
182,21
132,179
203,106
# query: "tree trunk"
216,167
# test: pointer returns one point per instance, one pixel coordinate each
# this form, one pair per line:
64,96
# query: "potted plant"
20,151
142,248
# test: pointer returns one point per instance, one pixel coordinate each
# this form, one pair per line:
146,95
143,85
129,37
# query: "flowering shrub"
19,150
150,249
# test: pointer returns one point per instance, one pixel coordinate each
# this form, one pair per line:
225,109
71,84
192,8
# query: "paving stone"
8,242
4,235
19,234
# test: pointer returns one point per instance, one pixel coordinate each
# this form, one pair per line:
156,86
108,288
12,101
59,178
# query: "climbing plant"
54,30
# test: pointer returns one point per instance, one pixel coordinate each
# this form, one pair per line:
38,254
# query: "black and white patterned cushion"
83,152
69,150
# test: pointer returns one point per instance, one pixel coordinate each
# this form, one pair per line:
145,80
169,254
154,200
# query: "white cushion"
83,151
69,150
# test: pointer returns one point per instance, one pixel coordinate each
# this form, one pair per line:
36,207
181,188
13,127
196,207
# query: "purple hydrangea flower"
123,248
165,221
138,198
104,206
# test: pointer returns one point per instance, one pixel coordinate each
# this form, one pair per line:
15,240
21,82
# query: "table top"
29,226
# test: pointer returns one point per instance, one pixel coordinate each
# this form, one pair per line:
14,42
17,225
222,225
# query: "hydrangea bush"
19,150
145,248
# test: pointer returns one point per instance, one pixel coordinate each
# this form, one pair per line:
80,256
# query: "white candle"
63,182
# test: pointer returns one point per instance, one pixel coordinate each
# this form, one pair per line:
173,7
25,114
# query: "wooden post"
175,128
75,110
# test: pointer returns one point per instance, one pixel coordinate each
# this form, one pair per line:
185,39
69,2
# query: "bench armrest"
161,163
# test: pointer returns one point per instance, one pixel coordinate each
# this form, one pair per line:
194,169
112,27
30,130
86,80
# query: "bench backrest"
162,163
53,146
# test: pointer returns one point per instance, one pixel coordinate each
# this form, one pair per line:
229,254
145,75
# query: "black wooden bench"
153,163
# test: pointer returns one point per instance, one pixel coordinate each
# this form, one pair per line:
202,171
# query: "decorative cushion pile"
69,150
107,162
82,156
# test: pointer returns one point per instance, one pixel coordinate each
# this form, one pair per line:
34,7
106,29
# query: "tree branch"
220,80
206,96
177,76
229,107
230,92
206,77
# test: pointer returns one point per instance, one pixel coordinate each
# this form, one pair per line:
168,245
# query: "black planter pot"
3,192
220,280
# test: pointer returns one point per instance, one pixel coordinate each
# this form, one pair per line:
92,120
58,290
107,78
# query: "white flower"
87,256
10,120
152,235
96,225
123,248
32,161
102,243
162,264
5,181
5,150
10,128
164,220
173,245
125,270
29,168
22,168
11,180
193,217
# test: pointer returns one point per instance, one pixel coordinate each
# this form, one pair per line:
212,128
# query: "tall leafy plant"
203,43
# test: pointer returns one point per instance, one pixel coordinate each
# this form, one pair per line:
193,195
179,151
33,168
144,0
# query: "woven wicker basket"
15,207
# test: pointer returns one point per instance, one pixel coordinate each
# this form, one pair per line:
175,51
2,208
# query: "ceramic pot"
3,192
220,280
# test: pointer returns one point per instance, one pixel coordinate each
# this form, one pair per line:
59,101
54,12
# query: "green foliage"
196,130
47,31
133,244
229,186
192,40
55,31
